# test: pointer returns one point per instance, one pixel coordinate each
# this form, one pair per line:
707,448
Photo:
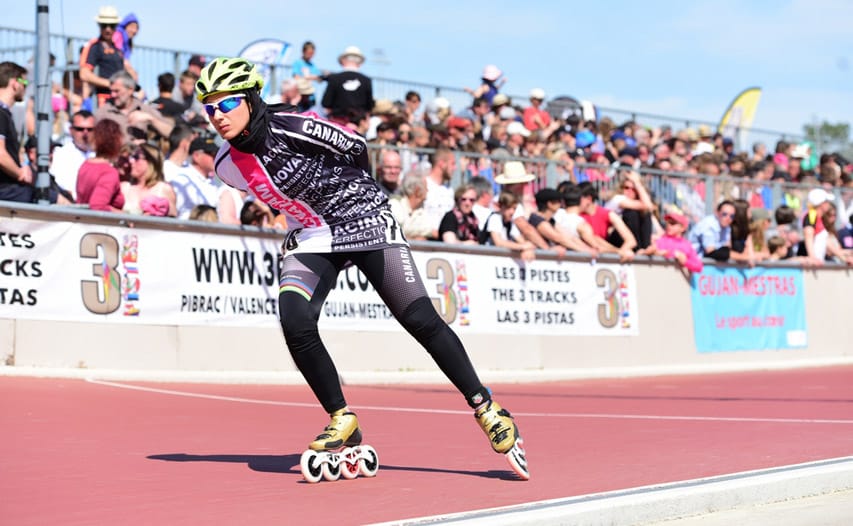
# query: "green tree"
829,137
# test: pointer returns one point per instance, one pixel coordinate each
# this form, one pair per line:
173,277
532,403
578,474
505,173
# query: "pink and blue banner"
738,309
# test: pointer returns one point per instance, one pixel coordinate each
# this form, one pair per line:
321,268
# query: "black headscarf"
252,138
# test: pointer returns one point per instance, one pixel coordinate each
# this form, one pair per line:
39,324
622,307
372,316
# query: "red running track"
77,452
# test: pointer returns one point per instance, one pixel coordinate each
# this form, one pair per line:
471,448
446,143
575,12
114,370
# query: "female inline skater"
316,174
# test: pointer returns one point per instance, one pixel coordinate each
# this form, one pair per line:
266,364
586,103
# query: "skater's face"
228,112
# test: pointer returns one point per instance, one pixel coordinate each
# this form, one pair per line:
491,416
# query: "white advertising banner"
91,273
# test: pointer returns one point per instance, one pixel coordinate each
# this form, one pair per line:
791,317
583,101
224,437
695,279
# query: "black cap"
546,195
197,60
204,144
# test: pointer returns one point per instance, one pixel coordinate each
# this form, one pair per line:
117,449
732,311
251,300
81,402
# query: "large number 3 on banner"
445,304
608,312
101,296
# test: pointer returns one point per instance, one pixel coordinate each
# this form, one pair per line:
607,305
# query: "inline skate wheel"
369,461
517,459
349,463
311,466
331,467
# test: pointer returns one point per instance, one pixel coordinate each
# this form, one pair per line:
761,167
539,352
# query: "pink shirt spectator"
98,186
670,244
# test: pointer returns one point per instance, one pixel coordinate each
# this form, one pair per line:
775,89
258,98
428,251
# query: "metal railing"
18,45
695,195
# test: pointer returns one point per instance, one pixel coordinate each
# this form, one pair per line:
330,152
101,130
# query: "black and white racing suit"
316,173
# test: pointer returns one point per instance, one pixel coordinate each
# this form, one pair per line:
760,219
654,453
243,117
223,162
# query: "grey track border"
649,504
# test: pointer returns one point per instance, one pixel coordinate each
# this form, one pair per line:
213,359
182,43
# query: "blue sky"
686,59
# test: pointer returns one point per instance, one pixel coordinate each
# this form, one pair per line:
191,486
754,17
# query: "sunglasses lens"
225,105
229,104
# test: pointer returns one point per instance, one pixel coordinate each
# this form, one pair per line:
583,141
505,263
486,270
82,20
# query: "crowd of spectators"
530,178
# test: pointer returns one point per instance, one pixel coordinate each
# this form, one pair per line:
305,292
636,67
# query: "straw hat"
107,15
514,173
354,52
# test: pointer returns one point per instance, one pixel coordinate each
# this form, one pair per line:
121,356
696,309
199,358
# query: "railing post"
710,192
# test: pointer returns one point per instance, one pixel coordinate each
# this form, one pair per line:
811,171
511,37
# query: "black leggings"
305,282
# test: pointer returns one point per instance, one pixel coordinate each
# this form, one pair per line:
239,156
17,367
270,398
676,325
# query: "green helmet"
225,74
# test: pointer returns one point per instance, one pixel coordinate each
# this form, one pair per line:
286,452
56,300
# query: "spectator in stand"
16,181
124,33
204,213
459,225
786,229
759,152
184,95
348,89
516,134
230,203
845,234
68,157
254,213
437,112
100,59
711,237
673,245
483,205
288,94
56,193
123,40
147,191
98,180
815,234
514,179
409,159
196,184
500,231
741,240
776,247
407,207
492,80
605,223
303,68
386,135
439,198
548,202
388,171
179,150
634,205
411,110
478,113
129,112
195,64
759,223
570,223
165,104
834,250
535,117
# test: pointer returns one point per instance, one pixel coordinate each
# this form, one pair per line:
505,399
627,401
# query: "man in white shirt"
68,158
196,184
439,199
179,151
484,205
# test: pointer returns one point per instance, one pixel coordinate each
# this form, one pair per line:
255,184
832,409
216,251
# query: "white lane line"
459,412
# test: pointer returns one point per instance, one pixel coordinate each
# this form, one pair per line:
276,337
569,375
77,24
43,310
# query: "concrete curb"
410,377
650,504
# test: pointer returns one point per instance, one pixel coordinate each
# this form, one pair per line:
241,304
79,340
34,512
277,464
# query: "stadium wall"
655,336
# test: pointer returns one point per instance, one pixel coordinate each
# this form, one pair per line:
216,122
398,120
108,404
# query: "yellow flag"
740,114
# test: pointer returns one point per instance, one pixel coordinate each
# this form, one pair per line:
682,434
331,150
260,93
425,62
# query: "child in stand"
778,248
673,245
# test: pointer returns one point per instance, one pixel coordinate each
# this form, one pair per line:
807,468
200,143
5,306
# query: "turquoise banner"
737,309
